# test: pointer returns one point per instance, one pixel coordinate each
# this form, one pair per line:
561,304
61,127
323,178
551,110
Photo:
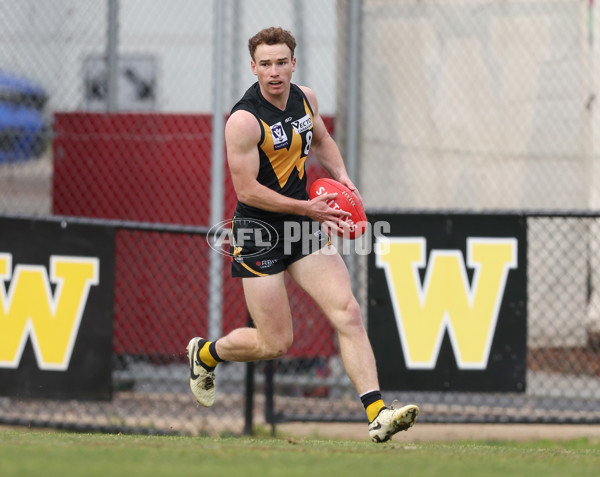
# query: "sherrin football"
346,201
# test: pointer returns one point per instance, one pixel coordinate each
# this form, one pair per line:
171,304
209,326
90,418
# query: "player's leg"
267,301
324,276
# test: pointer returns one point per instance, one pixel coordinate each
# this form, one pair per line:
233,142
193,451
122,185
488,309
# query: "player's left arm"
324,147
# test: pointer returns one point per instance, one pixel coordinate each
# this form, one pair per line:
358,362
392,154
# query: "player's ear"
253,66
293,64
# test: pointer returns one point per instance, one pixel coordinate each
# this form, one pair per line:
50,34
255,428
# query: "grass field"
26,452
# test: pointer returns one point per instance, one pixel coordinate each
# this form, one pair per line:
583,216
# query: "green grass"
26,452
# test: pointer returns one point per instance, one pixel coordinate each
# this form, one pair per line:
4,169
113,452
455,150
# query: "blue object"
23,128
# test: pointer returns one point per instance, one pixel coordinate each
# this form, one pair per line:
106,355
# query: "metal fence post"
112,56
217,180
249,394
269,395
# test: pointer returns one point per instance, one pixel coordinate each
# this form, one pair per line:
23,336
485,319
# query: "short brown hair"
272,36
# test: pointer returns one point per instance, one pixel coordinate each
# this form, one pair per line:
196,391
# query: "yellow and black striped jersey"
284,144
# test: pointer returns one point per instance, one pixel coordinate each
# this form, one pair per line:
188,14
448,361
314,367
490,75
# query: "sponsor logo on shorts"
262,264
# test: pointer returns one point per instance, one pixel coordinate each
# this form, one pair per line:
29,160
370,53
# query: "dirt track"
445,432
438,432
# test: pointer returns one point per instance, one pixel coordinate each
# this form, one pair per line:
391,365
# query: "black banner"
448,302
56,309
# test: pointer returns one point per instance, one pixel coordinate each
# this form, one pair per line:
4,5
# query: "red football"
346,201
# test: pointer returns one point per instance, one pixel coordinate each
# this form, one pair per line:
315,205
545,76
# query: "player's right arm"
242,134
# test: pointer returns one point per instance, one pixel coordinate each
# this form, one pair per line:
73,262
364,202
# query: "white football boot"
202,377
391,420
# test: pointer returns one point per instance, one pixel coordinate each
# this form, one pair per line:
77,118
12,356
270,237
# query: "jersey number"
308,141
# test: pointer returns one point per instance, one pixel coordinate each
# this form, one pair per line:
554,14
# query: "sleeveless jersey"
283,147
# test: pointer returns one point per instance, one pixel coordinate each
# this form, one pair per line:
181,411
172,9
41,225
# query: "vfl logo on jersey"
446,301
280,140
303,124
50,315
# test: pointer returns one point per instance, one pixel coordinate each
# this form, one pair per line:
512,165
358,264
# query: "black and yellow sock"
208,354
373,403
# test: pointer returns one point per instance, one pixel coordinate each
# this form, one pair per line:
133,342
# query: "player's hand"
350,185
319,210
339,228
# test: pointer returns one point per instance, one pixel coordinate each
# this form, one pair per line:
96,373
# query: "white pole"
112,60
593,318
217,164
301,74
352,132
351,149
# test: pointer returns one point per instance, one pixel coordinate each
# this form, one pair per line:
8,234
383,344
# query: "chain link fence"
479,105
107,114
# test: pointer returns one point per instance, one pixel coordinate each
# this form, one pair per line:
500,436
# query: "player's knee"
277,348
274,352
353,310
350,319
352,314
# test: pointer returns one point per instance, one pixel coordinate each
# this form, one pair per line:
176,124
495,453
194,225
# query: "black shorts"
266,247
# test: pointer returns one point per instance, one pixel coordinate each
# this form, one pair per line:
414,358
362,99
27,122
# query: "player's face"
273,65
